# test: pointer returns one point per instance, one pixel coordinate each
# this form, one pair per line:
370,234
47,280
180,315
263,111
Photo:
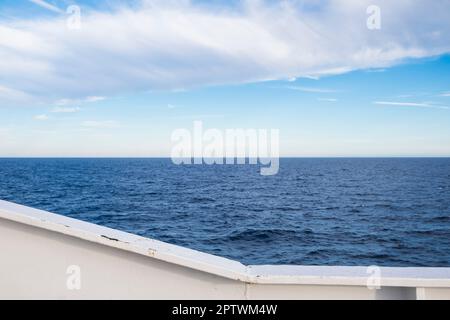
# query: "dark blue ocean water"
390,212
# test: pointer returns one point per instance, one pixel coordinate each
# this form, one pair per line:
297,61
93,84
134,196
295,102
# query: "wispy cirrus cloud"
46,5
60,109
71,105
90,99
311,89
94,99
327,99
180,44
410,104
376,70
41,117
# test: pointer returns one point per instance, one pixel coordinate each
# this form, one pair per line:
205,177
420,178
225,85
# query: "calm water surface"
390,212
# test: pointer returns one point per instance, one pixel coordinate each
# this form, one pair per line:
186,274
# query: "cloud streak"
410,104
46,5
41,117
327,99
59,109
311,90
173,45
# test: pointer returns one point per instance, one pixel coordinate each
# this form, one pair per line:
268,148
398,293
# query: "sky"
131,72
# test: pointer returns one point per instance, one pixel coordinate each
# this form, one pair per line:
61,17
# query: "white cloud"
46,5
67,105
327,99
445,94
65,102
107,124
178,44
410,104
311,90
376,70
94,99
60,109
41,117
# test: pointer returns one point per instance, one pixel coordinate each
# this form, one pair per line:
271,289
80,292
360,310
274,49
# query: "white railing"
48,256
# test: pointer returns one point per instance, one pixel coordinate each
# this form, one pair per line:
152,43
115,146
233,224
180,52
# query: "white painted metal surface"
48,256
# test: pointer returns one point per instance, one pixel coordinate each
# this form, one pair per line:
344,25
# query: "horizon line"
282,157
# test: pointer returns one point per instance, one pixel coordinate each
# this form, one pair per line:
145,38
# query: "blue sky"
126,80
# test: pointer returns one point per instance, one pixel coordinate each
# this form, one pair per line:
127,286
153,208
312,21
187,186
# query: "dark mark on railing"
112,239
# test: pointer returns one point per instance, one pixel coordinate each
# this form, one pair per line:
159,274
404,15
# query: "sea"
315,211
